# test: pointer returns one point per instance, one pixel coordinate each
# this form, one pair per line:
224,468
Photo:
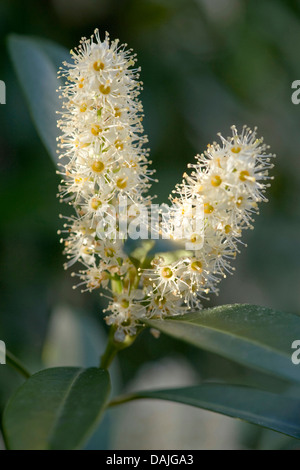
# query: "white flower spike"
102,147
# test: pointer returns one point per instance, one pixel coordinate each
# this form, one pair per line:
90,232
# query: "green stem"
13,362
108,355
113,347
122,399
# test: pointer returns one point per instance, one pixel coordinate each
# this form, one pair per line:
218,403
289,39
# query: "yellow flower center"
208,208
239,201
216,181
167,272
95,130
98,65
160,301
243,175
197,266
98,166
124,303
122,183
96,203
119,145
194,238
105,89
109,252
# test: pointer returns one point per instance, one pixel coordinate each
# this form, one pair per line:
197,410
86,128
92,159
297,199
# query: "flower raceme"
102,147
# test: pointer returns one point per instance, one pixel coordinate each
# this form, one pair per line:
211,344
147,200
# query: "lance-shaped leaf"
253,336
56,409
272,411
36,62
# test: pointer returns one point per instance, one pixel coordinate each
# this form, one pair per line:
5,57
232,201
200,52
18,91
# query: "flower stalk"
113,347
13,362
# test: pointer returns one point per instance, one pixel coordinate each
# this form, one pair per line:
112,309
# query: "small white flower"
126,311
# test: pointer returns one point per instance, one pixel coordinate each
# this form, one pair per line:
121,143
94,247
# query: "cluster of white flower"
227,182
102,147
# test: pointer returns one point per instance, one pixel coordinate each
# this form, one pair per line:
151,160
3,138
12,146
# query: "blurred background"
206,64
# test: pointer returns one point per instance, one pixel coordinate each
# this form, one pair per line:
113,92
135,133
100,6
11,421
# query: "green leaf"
36,62
253,336
263,408
56,409
74,339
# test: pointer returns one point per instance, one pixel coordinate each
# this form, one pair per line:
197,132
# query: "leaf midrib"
59,413
229,334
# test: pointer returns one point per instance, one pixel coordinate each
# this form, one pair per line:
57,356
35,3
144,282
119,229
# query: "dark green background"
206,64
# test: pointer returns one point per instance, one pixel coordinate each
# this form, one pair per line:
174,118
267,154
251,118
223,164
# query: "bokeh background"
206,64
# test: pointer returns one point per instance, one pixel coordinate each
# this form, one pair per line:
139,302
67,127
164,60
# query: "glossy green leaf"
74,339
263,408
36,62
253,336
56,409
